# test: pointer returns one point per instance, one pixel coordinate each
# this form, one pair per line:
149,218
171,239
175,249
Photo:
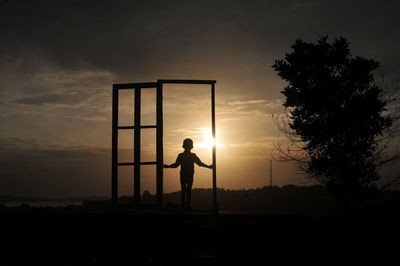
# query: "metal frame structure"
137,87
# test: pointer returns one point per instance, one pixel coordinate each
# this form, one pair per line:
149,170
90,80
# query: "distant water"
41,203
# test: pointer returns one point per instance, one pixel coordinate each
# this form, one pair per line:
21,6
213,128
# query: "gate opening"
137,126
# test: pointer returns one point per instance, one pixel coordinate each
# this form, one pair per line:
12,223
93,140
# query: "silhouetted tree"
337,119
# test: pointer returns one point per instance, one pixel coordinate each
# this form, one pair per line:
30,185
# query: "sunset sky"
59,59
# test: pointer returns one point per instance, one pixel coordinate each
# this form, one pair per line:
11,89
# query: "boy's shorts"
187,181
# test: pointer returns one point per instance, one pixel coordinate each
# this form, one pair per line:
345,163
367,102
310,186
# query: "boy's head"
187,144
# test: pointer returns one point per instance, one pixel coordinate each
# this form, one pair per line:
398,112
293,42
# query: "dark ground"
309,233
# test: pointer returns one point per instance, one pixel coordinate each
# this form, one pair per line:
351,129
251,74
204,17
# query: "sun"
206,139
209,141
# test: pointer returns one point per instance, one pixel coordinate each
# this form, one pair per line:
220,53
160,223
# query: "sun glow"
207,141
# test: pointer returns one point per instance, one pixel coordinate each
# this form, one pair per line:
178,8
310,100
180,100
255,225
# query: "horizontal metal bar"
147,163
187,81
135,85
125,164
126,127
133,127
154,84
132,163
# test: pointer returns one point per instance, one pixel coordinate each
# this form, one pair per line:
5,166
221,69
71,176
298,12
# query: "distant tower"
270,173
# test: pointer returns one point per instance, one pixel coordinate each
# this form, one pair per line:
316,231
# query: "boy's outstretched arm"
175,164
200,163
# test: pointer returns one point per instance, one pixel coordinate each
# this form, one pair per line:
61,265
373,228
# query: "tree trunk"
346,214
346,226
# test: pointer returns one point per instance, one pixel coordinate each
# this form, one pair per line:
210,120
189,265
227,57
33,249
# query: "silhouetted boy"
186,160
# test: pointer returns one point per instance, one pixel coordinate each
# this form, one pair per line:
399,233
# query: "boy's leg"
183,191
189,193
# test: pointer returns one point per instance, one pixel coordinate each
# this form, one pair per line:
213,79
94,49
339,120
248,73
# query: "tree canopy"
335,114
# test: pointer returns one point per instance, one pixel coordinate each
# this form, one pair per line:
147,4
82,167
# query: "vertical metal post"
215,204
159,145
270,173
114,148
136,161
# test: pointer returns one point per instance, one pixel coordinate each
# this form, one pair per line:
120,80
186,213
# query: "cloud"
185,33
53,168
247,102
61,168
81,95
256,110
274,105
254,104
69,98
34,143
55,173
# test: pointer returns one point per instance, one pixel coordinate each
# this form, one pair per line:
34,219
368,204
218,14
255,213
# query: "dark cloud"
54,173
61,168
233,41
143,36
52,98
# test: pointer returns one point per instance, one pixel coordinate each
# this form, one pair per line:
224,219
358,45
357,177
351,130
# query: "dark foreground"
44,237
312,235
48,237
